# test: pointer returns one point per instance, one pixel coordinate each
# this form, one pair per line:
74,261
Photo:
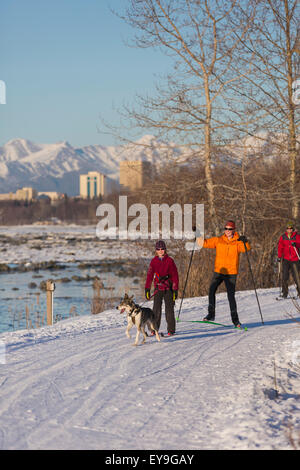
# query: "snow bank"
82,385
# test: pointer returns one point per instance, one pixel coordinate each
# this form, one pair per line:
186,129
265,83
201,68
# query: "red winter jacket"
285,247
160,267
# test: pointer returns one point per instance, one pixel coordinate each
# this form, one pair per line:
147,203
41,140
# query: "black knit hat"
160,244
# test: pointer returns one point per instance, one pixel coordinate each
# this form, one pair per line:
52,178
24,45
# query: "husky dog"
138,316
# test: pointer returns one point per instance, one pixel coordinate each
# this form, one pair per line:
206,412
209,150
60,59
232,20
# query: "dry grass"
32,315
97,303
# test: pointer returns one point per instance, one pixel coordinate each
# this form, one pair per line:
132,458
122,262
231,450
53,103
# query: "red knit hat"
230,224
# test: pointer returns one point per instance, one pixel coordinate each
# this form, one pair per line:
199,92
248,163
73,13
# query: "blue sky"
64,62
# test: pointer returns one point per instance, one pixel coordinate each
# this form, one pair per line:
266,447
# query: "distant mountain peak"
18,140
57,166
18,148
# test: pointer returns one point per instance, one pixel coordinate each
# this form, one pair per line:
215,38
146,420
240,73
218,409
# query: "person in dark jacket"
163,272
288,255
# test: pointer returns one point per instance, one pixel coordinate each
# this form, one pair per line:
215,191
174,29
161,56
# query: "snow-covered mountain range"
56,167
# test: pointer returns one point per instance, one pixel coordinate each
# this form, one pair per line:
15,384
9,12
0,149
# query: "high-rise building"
92,185
134,174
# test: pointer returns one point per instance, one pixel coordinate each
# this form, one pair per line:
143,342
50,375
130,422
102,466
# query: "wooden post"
50,286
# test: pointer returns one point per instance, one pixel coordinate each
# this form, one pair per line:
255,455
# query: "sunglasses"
228,228
290,228
160,249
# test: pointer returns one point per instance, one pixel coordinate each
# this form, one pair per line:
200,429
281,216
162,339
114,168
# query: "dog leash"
155,292
162,282
149,298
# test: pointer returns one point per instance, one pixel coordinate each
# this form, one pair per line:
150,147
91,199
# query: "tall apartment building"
92,185
134,174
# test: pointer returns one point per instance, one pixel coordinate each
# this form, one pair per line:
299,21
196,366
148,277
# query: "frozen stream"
79,258
20,294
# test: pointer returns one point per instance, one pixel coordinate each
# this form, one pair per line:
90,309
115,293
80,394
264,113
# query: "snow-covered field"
82,385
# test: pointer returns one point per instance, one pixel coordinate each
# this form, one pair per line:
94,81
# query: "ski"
286,298
166,335
215,323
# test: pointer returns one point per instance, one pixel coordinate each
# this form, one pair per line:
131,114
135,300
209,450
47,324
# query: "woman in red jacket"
163,271
288,254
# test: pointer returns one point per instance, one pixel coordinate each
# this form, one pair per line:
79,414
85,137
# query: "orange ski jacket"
227,252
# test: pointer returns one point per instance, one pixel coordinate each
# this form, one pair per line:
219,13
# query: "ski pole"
297,280
296,251
250,269
279,280
187,275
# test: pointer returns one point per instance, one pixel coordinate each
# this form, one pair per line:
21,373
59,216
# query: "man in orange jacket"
228,248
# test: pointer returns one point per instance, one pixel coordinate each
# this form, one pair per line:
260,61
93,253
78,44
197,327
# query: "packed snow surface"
81,384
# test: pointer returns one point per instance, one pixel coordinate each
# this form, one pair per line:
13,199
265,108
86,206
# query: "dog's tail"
156,330
154,325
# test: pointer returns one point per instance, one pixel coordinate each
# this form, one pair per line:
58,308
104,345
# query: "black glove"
175,295
243,239
294,244
278,260
196,231
147,294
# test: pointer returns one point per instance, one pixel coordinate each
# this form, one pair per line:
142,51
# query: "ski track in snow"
82,385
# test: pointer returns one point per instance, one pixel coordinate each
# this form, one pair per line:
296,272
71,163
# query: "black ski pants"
230,282
167,296
287,267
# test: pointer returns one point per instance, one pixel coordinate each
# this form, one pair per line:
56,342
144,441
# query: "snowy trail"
82,385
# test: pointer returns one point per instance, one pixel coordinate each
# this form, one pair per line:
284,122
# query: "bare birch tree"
191,104
272,44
